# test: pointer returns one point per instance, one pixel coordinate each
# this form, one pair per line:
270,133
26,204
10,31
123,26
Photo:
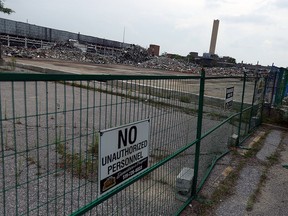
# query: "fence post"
252,104
199,130
241,109
272,103
285,77
283,85
263,99
278,94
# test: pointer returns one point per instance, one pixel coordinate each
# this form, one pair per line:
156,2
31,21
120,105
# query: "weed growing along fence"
50,124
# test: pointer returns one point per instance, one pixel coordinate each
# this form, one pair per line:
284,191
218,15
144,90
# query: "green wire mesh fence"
49,127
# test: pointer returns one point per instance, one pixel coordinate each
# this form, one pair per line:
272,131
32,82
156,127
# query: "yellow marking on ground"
256,139
227,171
243,151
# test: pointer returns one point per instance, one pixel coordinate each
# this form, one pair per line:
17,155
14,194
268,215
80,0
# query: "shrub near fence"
49,127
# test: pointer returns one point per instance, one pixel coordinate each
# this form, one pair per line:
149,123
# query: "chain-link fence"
51,128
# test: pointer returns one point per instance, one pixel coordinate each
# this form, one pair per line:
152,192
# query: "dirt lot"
86,68
214,88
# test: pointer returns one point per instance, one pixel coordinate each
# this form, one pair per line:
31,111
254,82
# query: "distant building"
214,37
210,56
228,59
154,50
193,54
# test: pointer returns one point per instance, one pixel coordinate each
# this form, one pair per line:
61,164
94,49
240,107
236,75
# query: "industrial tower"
214,36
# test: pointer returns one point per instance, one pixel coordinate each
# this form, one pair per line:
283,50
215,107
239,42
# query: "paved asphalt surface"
273,199
273,196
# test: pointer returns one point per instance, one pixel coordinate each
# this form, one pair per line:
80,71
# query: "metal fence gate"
49,131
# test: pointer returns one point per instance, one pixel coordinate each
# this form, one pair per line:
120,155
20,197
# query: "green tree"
3,9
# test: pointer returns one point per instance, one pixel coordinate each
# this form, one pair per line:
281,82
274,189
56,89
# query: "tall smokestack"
214,36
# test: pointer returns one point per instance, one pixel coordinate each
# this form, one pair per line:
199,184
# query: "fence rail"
49,133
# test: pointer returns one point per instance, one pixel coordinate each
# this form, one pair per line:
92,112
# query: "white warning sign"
123,152
229,98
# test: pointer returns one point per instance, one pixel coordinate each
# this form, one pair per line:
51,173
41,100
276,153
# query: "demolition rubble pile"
165,63
230,71
169,64
68,52
61,51
134,55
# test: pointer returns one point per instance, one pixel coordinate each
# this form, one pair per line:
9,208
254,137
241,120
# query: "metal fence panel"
49,127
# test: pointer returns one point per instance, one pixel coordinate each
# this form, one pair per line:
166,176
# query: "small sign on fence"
229,98
123,152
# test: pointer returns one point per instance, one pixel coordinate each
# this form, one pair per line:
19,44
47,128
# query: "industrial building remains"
26,30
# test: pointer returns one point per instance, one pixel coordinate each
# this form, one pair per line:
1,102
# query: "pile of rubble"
228,71
16,52
134,55
63,51
165,63
68,52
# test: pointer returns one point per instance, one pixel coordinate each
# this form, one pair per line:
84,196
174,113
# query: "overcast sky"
249,30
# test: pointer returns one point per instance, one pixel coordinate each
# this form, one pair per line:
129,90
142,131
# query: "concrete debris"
69,52
229,71
134,55
61,51
165,63
16,52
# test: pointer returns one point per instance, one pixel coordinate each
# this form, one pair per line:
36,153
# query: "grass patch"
94,146
273,159
225,188
31,160
253,197
185,99
79,165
